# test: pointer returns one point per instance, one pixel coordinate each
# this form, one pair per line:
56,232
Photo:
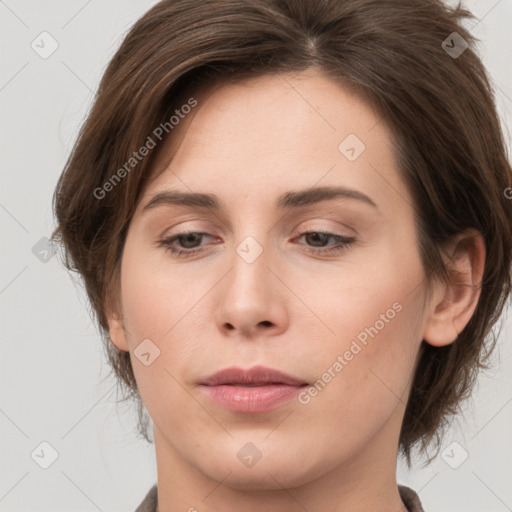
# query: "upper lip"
255,375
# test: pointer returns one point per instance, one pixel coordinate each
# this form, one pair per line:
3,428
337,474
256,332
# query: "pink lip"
255,375
255,390
251,399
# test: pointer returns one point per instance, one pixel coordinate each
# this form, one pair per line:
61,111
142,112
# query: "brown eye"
183,244
189,240
317,241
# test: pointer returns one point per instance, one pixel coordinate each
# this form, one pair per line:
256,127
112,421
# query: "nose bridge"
249,301
252,244
250,249
249,276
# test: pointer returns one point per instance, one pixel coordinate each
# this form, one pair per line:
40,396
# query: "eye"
187,244
319,239
187,240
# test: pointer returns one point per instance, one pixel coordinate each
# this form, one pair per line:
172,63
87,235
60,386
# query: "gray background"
53,373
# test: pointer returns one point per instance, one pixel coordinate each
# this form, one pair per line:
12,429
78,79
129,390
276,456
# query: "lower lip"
251,399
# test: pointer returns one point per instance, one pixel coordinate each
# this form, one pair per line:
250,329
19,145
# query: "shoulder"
410,498
149,503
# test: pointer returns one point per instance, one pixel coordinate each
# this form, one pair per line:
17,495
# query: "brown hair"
438,106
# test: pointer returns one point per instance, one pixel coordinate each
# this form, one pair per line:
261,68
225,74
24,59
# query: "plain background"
53,370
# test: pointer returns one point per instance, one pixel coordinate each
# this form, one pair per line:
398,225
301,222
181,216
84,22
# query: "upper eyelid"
330,230
308,212
299,234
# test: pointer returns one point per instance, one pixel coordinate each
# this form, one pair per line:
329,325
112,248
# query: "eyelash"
344,241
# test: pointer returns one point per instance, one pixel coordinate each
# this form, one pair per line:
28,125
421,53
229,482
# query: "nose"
252,300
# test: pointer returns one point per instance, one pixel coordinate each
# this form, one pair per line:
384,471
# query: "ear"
117,331
454,303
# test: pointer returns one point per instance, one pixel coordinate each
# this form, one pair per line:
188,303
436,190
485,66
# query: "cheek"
365,363
158,305
362,376
155,295
375,340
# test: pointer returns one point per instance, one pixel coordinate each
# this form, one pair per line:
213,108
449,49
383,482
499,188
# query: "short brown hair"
438,106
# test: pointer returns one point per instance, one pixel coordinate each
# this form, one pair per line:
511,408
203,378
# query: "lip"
257,389
251,399
255,375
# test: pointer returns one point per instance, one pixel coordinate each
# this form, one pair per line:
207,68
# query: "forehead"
278,132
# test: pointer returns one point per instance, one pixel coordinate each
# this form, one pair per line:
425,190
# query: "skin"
290,309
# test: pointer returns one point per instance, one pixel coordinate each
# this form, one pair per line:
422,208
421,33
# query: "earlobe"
117,332
455,302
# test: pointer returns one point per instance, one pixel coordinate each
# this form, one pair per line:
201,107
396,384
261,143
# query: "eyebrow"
288,200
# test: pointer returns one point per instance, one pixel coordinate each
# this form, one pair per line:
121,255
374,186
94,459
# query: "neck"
365,482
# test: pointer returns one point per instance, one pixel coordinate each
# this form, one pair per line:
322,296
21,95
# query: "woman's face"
260,285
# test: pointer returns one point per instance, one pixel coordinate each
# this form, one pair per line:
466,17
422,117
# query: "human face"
258,290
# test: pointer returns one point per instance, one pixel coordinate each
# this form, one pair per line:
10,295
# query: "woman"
292,222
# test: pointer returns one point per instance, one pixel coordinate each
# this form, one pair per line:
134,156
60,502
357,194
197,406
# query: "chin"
270,473
265,479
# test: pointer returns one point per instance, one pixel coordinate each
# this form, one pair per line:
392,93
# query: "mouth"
253,377
255,390
251,398
251,385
